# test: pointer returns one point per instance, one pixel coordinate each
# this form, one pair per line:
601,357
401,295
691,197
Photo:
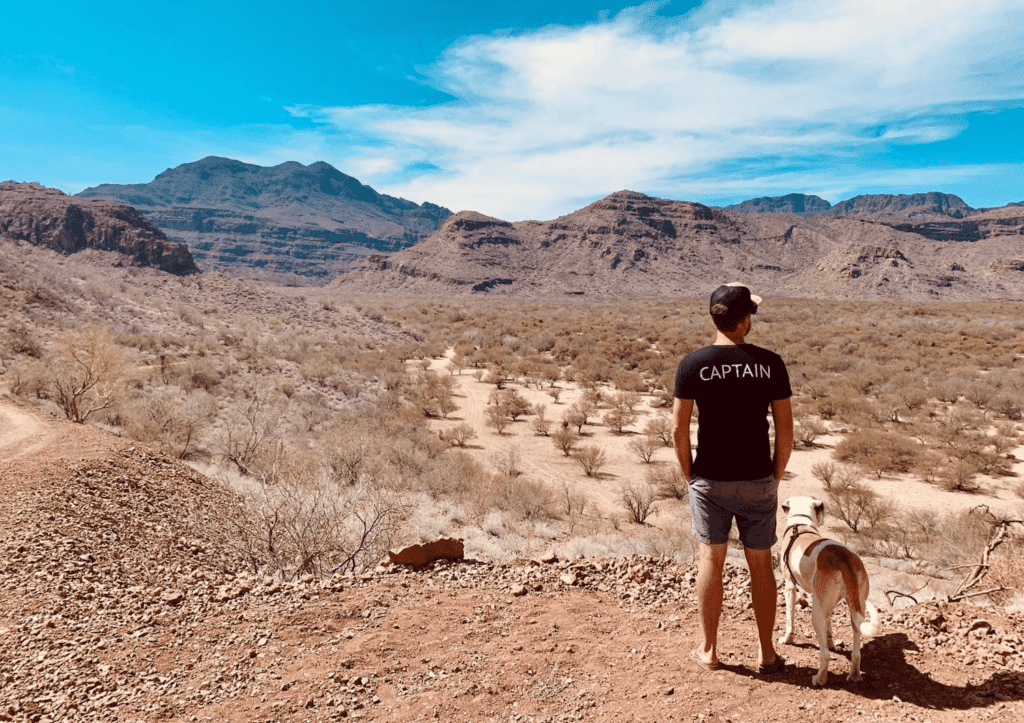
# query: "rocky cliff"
48,217
303,222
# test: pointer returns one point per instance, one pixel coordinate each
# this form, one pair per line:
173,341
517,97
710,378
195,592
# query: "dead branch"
1000,528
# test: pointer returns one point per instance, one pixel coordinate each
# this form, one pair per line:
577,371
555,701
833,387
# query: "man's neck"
729,338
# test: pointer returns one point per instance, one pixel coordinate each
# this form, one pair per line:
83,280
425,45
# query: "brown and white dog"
829,571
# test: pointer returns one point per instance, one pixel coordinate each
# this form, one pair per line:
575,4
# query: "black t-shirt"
733,387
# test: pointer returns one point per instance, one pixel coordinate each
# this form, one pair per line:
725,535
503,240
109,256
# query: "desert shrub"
879,452
496,419
668,482
638,501
659,428
618,419
87,373
571,500
541,425
643,447
591,459
856,504
21,339
959,476
826,472
565,439
510,402
522,496
177,426
1008,405
459,435
578,414
808,430
251,424
508,462
200,373
302,524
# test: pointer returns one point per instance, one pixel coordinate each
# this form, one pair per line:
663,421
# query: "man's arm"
782,413
681,411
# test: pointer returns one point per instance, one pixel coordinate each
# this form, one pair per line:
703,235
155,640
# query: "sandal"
773,667
705,666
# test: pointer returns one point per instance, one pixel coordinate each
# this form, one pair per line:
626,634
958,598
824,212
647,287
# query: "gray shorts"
753,503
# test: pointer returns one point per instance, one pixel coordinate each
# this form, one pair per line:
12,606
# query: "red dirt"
117,602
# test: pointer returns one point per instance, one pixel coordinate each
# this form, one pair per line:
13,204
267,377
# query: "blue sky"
531,110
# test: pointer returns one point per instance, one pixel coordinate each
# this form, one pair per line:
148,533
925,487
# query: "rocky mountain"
48,217
903,206
790,203
303,222
629,244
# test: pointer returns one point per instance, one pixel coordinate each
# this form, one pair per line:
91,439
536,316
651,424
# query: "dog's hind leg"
790,595
820,617
855,655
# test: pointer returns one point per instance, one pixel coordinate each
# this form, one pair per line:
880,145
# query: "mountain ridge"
630,244
305,222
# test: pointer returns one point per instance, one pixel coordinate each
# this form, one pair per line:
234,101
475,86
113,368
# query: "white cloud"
545,118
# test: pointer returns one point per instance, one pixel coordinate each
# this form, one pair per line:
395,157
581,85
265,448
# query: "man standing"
736,473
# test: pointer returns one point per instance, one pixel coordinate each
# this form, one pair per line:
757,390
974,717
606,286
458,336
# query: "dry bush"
304,524
591,459
578,414
87,373
879,452
459,435
177,426
509,402
668,482
856,504
497,419
508,462
252,423
826,472
21,339
638,501
618,419
565,439
571,500
521,496
660,428
643,447
541,425
808,430
959,476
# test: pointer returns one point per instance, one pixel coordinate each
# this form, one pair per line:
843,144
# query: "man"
736,473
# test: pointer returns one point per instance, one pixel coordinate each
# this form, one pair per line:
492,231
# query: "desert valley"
226,394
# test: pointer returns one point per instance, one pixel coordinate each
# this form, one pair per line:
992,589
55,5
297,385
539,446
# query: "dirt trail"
22,431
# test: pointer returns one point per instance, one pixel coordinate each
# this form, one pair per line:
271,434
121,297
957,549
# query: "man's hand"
681,411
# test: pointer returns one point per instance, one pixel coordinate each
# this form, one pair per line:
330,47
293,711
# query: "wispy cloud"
544,120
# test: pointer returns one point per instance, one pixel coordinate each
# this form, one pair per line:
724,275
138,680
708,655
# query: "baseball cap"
736,298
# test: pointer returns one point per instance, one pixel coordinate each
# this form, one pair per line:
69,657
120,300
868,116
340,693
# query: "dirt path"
22,431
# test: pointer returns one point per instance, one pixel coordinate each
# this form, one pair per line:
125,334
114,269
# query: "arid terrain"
118,604
201,476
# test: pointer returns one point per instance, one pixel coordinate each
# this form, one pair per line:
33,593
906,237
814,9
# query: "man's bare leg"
710,566
764,596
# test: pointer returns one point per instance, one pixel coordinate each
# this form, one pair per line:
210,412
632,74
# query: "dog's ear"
819,509
785,506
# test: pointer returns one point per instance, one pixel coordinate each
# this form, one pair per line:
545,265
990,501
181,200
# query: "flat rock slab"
444,548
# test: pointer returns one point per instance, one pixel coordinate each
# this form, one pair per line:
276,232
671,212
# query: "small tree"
643,447
497,419
638,501
565,439
459,435
87,374
541,425
618,419
661,429
591,459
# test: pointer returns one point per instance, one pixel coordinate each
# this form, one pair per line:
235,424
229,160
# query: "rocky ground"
119,601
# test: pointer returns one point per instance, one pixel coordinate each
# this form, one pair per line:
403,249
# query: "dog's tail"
869,626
